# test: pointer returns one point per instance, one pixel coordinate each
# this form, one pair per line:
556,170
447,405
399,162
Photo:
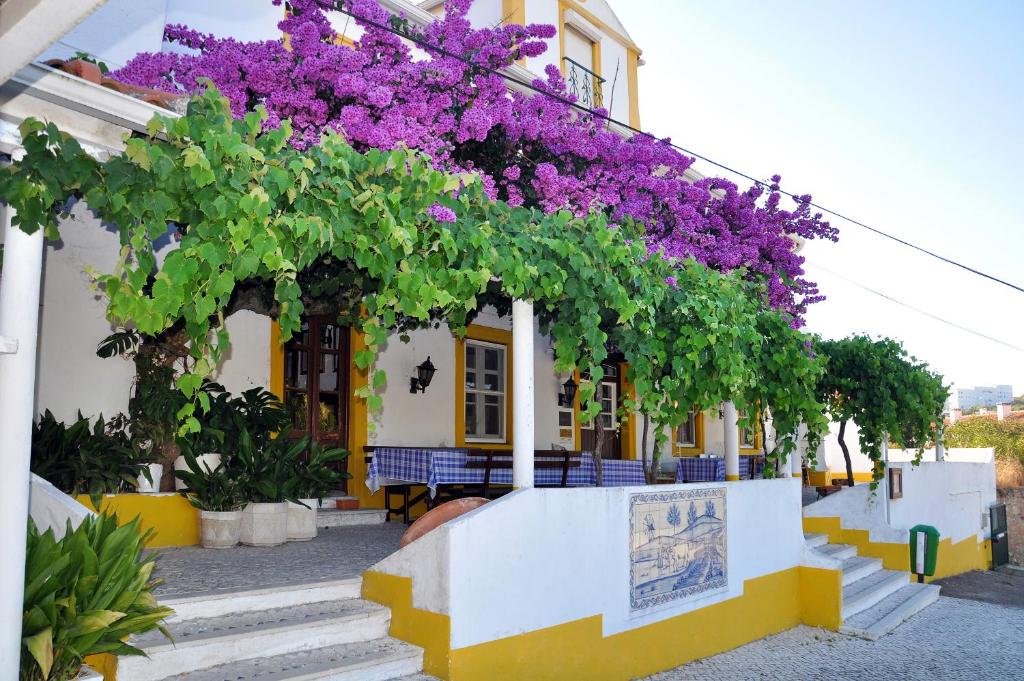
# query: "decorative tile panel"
677,546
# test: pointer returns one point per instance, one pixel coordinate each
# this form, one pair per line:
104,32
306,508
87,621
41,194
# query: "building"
608,582
979,396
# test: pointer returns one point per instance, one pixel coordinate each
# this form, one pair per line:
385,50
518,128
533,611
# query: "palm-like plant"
316,476
210,490
264,472
85,594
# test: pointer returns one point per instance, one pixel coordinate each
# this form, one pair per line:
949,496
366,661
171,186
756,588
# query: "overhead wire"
607,117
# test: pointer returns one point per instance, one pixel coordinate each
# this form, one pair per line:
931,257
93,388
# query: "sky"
903,115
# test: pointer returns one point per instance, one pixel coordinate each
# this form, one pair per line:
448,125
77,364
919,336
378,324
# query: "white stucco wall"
954,497
496,552
247,363
834,458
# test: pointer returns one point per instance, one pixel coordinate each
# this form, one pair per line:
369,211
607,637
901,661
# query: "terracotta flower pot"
219,529
264,524
302,520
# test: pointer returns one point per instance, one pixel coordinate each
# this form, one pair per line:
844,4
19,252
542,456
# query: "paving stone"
336,553
952,640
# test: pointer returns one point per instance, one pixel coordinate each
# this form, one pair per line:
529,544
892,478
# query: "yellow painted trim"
428,630
627,430
486,334
579,650
175,521
513,12
816,478
821,597
698,439
276,360
953,559
632,76
732,477
358,427
605,28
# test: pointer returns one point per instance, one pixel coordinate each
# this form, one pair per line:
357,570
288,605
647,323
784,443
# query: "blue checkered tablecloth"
433,467
696,469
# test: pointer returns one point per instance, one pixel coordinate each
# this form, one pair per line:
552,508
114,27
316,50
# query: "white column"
940,446
19,319
732,442
522,394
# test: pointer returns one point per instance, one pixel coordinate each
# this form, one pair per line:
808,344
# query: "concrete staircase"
321,631
875,600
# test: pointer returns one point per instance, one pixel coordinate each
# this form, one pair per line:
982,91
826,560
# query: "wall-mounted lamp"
568,394
424,374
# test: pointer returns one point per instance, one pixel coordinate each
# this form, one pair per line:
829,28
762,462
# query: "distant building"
979,396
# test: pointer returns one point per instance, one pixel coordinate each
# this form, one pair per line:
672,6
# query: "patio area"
336,553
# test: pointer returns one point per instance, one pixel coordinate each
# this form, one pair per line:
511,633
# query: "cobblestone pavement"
337,553
951,640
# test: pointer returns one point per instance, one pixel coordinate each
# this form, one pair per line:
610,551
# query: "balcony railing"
584,84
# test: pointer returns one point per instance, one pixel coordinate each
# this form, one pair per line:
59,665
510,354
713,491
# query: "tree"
691,515
675,518
882,389
709,509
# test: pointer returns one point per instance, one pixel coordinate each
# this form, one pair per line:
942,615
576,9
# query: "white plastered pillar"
732,442
19,320
522,394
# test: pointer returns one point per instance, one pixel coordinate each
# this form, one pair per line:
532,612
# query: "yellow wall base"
579,649
175,520
953,559
105,664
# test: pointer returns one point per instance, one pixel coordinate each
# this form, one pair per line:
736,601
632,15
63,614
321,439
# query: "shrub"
85,594
1007,437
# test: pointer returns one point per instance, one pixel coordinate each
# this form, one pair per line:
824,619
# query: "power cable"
564,100
915,309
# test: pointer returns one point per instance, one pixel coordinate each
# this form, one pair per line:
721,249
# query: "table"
697,469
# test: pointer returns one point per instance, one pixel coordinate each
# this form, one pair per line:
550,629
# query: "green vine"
248,209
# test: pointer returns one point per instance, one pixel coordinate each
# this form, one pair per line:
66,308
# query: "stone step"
867,591
891,611
381,659
859,567
212,641
226,602
838,551
814,540
330,517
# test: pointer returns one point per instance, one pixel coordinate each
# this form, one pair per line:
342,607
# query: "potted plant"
263,472
85,593
310,481
216,493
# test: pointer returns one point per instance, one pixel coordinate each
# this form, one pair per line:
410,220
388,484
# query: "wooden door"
609,391
316,368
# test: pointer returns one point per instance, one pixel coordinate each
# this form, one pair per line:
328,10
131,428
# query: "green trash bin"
924,549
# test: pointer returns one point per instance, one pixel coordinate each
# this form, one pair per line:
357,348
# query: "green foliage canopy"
249,207
882,389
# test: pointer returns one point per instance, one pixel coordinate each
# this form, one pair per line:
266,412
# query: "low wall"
952,496
606,583
174,520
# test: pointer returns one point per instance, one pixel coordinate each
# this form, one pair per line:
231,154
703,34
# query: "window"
486,395
608,394
690,434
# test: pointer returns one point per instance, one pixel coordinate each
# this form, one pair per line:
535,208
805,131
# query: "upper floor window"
581,69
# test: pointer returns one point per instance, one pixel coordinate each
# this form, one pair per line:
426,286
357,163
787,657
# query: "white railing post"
19,319
732,442
522,394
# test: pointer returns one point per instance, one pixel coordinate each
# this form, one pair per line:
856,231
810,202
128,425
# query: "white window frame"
615,407
502,438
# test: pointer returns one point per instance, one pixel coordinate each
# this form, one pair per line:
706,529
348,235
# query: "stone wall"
1013,497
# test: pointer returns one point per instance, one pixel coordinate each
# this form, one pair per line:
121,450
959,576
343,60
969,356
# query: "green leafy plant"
264,472
84,458
317,474
85,594
882,389
210,489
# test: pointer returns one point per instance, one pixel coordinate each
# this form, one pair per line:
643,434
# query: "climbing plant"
882,389
416,244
